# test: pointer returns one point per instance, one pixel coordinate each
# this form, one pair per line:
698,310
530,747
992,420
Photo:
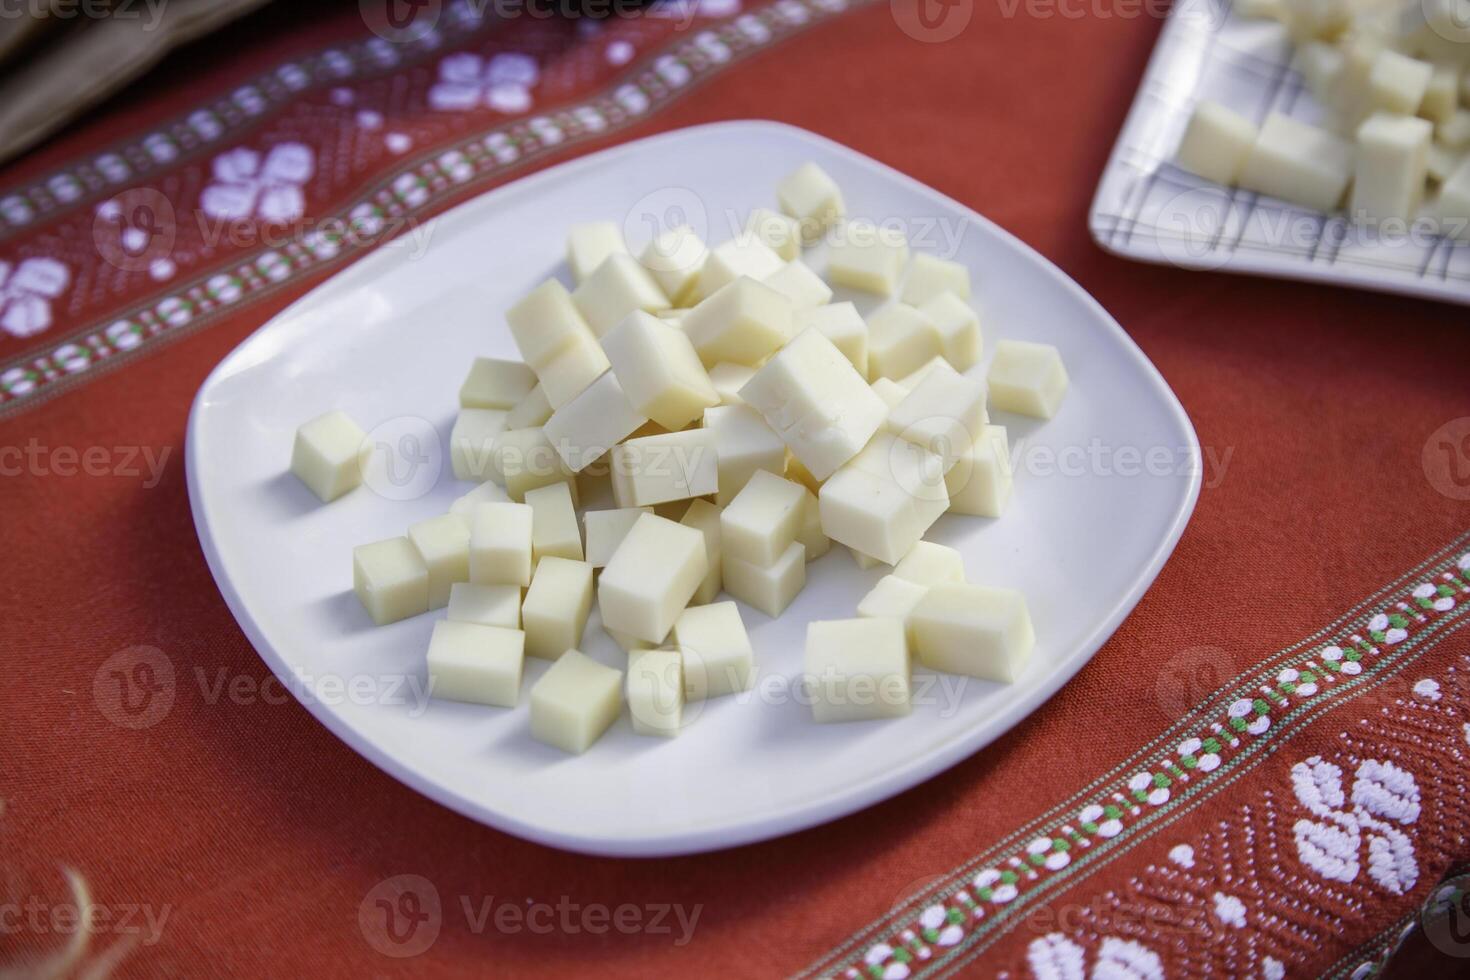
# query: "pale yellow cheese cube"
843,325
486,605
857,669
798,473
728,379
716,651
901,339
1453,204
1442,162
390,579
1298,163
763,519
1309,19
493,383
812,539
928,563
768,588
606,529
704,517
531,411
945,410
780,232
893,598
1455,134
813,198
740,257
659,370
744,444
1442,97
575,701
973,630
443,543
800,284
472,443
616,288
525,459
882,502
869,257
892,392
743,323
657,469
1321,65
1398,83
674,258
1027,378
474,663
930,276
328,455
911,381
590,244
865,562
959,330
1393,163
1216,143
585,428
544,323
464,506
655,692
500,544
556,608
568,374
554,529
651,578
980,479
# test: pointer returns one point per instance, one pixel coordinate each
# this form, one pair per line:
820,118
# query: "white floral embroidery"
1331,845
1182,855
246,188
26,293
1428,689
467,81
1055,957
1272,969
1229,910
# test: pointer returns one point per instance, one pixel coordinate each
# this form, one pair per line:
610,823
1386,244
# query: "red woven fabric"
255,836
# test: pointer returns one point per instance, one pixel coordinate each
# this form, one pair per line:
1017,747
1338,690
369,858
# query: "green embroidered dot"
1307,677
1399,620
1333,666
902,955
1238,724
1009,877
1089,827
1353,653
1112,812
1212,745
931,934
1445,590
1161,780
1188,761
955,916
1378,635
1423,603
1036,859
1261,706
1061,845
1288,687
986,894
1140,796
876,971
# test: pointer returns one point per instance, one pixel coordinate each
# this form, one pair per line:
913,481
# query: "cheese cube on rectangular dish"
616,288
674,258
575,701
974,630
494,383
882,502
1398,83
657,469
716,651
328,454
843,325
589,245
728,379
578,364
768,588
443,543
556,607
479,664
1027,378
959,329
901,340
606,530
585,428
742,323
655,691
525,459
651,578
544,323
893,598
743,256
1298,163
554,528
390,579
745,444
763,519
857,669
813,198
1216,143
704,517
865,256
500,545
928,563
487,605
659,370
929,276
945,410
472,452
1393,158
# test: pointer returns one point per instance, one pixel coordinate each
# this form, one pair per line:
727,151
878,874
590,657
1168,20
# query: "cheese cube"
574,702
590,244
728,379
763,519
1398,83
1442,162
704,517
946,410
742,323
882,502
1027,378
1393,161
857,669
901,339
865,562
1455,134
892,392
812,197
556,607
443,543
630,644
744,444
928,564
606,530
554,529
868,257
474,663
716,651
328,454
911,381
1216,143
959,330
618,287
568,374
1442,97
797,473
973,630
658,469
544,323
800,284
463,507
817,402
659,370
917,470
486,605
744,256
843,325
531,411
472,442
651,578
1298,163
390,579
655,691
812,539
930,276
1322,66
781,233
1309,19
500,545
585,428
1453,204
893,598
771,588
979,481
674,258
525,459
495,383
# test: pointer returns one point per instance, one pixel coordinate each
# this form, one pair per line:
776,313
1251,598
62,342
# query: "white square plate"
1148,208
389,340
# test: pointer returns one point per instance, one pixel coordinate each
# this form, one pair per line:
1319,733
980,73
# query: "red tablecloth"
1262,774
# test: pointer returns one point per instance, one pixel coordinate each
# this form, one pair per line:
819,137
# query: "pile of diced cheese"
1392,79
740,422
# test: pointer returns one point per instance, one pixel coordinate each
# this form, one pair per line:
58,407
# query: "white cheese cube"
843,325
631,644
554,529
973,630
857,669
390,579
674,258
443,543
870,508
557,606
944,411
472,442
1442,162
1260,9
1442,97
930,276
606,529
928,564
865,562
918,471
328,454
1321,65
651,578
474,663
544,323
500,545
568,374
800,284
742,323
893,598
1216,143
1455,134
575,701
813,198
659,370
892,392
704,517
812,539
585,428
744,256
463,507
817,402
979,481
1453,204
655,691
525,459
494,383
728,379
798,473
763,519
911,381
868,257
1398,83
657,469
959,329
1298,163
1027,378
901,339
1309,19
744,444
771,588
590,244
1393,162
716,651
781,233
618,287
486,605
531,411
